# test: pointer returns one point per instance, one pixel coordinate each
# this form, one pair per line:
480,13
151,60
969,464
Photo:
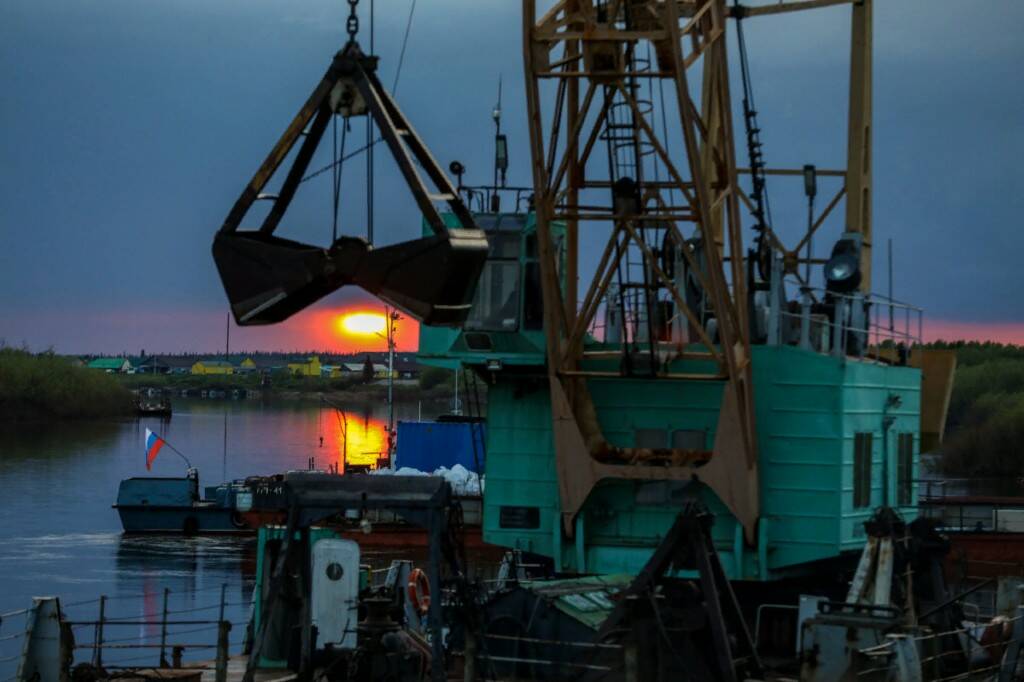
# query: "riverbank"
290,387
46,385
985,427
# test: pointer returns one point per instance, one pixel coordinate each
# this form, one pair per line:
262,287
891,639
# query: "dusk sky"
129,127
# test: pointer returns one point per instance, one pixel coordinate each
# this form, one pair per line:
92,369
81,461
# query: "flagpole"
177,451
167,443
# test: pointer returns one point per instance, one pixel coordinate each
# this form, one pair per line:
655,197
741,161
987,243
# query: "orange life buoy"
418,590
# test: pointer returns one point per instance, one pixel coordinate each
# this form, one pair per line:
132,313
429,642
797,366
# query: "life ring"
238,521
418,590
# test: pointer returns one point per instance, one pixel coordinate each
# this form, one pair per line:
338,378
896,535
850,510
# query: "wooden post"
223,628
163,631
176,653
97,652
223,591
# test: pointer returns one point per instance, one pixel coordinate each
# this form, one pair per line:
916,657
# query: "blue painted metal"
173,505
427,446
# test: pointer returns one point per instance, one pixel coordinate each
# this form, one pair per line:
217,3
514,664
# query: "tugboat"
173,505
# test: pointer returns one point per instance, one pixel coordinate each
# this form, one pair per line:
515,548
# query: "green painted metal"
808,409
589,599
512,237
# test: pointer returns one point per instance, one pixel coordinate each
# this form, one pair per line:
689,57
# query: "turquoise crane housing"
838,436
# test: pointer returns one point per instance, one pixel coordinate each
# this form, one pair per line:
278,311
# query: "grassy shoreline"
45,385
288,387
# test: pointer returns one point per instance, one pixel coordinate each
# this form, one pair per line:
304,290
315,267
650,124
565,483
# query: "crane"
685,367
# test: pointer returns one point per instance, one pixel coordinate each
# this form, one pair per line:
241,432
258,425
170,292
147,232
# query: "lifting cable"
339,153
369,148
394,89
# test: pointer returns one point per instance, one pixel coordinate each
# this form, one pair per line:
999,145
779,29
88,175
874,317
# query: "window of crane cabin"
862,443
496,302
905,469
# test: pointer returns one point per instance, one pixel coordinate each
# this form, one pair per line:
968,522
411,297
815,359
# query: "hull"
195,520
984,555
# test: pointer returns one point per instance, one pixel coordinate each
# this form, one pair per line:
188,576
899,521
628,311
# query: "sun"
362,324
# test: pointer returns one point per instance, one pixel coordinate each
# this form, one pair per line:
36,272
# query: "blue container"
428,446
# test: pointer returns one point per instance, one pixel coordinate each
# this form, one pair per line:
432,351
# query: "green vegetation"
45,385
435,376
283,383
985,428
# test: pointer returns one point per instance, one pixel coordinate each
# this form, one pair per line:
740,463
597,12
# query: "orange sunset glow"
362,323
352,328
356,439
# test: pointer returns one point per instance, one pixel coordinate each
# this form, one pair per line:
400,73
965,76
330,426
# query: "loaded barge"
178,505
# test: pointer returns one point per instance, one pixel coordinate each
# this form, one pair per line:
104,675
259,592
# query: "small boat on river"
178,505
174,505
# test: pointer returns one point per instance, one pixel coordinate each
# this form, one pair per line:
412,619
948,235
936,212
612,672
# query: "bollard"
223,628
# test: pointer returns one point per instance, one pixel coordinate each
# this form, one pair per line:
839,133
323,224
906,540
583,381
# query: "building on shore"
111,365
247,366
213,367
152,364
311,367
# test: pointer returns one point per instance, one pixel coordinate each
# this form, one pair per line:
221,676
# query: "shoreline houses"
322,365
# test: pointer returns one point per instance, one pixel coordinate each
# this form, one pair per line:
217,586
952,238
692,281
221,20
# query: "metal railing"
841,333
985,653
170,638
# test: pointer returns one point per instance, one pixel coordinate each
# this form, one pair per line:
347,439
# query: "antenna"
500,153
892,316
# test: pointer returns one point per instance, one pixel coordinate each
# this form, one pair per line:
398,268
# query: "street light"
391,316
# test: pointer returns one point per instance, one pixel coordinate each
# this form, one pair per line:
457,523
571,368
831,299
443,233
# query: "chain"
352,25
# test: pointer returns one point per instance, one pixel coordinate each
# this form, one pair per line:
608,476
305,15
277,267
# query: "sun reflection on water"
355,438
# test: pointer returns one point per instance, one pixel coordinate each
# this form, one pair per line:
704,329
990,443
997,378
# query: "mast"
858,164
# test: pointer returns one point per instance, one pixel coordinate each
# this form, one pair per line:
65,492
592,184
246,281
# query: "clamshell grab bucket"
268,278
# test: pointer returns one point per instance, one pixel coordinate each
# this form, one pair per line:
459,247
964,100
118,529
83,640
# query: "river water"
59,535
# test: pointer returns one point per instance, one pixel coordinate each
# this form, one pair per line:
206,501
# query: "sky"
129,127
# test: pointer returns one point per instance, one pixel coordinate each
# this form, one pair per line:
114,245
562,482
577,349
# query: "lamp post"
810,191
391,316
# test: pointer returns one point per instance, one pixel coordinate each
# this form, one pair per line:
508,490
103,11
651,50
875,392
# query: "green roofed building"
110,365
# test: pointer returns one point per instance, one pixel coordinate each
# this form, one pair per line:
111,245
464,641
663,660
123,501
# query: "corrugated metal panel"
427,446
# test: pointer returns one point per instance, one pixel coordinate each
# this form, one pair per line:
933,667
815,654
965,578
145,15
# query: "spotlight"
842,270
457,169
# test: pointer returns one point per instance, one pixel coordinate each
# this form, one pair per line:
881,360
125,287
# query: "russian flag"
153,445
